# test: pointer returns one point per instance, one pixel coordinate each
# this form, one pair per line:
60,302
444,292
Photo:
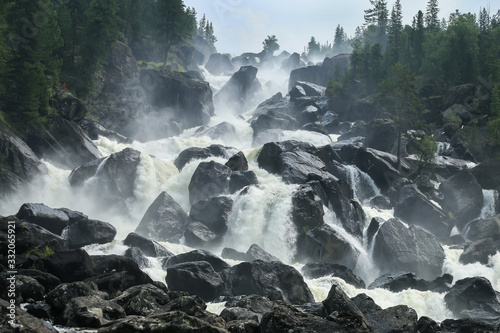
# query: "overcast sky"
242,25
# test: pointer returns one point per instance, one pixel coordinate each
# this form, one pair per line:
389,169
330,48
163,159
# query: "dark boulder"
398,248
268,157
255,252
112,178
63,142
416,208
197,278
293,62
24,321
70,265
210,179
68,106
10,182
239,90
241,179
399,318
213,212
240,319
148,246
462,94
224,131
197,255
463,197
307,211
276,103
397,282
85,232
54,220
486,175
229,253
484,228
164,220
179,97
474,298
381,202
90,311
311,89
320,75
197,234
272,120
380,134
480,251
298,166
237,162
271,279
143,300
338,301
373,227
27,287
65,292
47,280
467,325
138,256
196,153
219,64
319,269
17,158
325,244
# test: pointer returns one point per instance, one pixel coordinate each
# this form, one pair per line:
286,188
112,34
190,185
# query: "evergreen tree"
417,41
339,38
202,25
32,67
484,20
271,44
174,25
431,16
376,20
313,47
395,30
494,122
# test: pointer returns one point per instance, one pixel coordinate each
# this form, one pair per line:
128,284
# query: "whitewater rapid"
261,216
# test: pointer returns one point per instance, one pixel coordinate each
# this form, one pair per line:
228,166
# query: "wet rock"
148,246
399,318
240,320
486,175
178,97
27,287
268,157
197,255
463,197
276,103
271,279
307,211
380,134
138,256
272,120
53,220
398,248
85,232
47,280
293,62
484,228
114,177
197,234
239,90
197,278
229,253
90,311
189,154
319,75
213,212
144,300
219,64
241,179
237,162
416,208
174,321
325,244
298,166
373,227
164,220
27,323
338,301
474,298
467,325
381,202
480,251
255,252
397,282
70,265
223,131
65,292
427,325
210,179
317,270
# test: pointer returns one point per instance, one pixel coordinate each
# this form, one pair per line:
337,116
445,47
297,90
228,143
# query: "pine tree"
431,16
417,41
32,67
313,47
493,125
484,20
271,44
395,33
376,20
339,38
202,25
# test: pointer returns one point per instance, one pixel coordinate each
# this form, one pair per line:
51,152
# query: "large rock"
143,300
213,212
298,166
112,178
196,153
486,175
198,234
398,248
68,106
320,75
85,232
210,179
325,244
463,197
197,255
272,120
64,142
484,228
337,300
241,179
70,266
474,297
307,211
219,64
148,246
480,251
239,90
24,322
397,282
54,220
197,278
65,292
268,157
380,134
178,97
271,279
416,208
18,162
224,131
164,220
90,311
320,269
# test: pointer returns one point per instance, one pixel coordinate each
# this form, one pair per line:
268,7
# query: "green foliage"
493,126
431,16
40,253
271,44
424,146
313,48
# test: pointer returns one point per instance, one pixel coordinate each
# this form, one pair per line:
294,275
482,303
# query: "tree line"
47,43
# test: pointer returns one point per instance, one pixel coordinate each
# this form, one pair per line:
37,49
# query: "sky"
242,25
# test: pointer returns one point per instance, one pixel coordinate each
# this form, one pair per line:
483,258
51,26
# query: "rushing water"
261,216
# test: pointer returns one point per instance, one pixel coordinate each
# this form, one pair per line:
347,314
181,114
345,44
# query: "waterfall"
490,201
363,186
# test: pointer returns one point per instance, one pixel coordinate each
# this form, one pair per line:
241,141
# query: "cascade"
363,186
490,200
